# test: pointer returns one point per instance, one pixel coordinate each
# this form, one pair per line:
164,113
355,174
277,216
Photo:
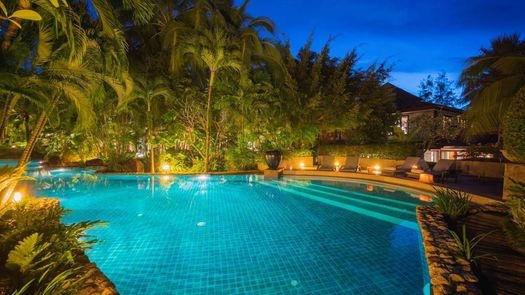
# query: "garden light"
377,170
165,167
17,197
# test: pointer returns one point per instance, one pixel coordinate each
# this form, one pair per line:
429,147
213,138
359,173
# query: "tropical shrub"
298,153
467,246
514,226
453,204
180,162
394,151
514,129
239,159
38,254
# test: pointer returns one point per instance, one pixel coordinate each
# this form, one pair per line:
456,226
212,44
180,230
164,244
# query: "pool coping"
412,184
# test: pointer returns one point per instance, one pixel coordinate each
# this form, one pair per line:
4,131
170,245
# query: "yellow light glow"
17,197
370,188
414,166
425,198
302,165
165,167
377,167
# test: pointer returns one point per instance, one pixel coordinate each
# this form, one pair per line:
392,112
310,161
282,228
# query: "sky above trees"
418,37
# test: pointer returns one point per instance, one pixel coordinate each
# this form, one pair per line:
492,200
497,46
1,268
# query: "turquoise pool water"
244,235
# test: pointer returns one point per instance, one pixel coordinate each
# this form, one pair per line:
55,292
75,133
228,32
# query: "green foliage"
24,256
452,203
394,151
467,246
38,254
431,130
239,159
514,226
514,128
439,90
299,153
491,81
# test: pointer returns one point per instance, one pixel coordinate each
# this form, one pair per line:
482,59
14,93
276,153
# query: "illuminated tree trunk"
208,122
150,140
35,135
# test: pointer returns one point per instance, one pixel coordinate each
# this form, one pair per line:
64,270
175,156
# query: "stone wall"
449,272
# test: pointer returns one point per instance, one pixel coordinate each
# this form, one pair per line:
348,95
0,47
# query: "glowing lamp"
336,166
426,178
425,198
165,167
17,197
370,188
302,165
377,170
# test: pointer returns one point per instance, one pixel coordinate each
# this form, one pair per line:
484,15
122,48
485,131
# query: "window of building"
404,124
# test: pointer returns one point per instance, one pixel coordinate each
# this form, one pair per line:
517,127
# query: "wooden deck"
504,269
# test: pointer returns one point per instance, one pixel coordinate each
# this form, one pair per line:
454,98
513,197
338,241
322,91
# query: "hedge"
514,128
393,151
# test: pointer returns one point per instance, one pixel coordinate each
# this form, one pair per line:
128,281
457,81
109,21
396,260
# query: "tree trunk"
152,156
13,29
26,125
39,126
3,119
208,123
150,141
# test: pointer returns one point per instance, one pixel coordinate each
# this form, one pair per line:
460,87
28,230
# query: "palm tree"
149,91
215,50
491,80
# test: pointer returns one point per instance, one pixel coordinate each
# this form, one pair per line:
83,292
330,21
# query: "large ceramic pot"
273,158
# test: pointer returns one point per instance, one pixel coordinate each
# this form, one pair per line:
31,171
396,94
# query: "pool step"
356,209
406,207
346,199
352,194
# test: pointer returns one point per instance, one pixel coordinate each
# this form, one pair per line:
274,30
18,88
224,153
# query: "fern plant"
28,254
38,254
453,204
467,246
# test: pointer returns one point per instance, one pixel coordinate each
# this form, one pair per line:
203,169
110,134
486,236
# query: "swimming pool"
242,234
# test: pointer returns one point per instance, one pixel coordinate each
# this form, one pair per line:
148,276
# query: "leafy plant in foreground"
514,226
467,246
453,204
39,254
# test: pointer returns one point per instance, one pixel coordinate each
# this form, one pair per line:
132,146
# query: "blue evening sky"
418,37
